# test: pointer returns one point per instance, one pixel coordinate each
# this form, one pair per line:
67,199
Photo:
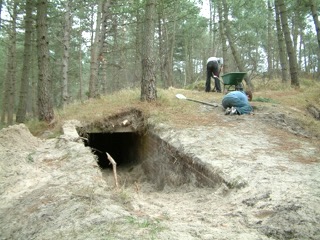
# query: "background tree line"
59,51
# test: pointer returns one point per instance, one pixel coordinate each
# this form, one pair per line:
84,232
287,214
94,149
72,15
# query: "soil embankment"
54,189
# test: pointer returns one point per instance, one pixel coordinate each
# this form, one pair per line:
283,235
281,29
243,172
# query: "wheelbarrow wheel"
239,87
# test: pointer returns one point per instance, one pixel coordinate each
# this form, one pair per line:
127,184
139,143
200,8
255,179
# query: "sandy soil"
54,189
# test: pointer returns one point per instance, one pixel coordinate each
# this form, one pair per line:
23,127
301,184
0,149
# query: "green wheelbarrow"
233,81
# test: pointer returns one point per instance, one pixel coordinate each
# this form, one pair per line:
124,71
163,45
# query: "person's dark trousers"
217,84
212,69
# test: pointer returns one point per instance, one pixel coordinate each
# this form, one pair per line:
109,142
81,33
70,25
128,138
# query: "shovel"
180,96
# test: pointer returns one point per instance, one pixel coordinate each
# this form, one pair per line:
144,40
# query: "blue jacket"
239,100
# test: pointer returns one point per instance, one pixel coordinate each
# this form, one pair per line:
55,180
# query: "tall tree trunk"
186,67
167,26
223,38
80,64
10,91
269,42
148,82
138,46
162,49
97,47
34,78
13,65
282,46
290,50
5,93
44,99
295,29
65,98
24,87
233,47
102,45
95,54
103,75
317,27
188,62
115,54
169,67
211,42
301,44
1,1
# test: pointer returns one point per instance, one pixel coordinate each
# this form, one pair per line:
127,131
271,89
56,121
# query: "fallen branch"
114,167
314,111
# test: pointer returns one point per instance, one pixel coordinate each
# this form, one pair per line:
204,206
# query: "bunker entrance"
142,155
122,146
118,135
148,158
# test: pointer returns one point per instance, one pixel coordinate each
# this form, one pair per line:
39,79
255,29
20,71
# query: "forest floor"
54,189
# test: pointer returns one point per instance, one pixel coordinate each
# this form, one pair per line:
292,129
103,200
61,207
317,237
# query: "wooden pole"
114,167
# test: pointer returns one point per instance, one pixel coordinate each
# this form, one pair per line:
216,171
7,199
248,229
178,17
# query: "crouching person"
237,102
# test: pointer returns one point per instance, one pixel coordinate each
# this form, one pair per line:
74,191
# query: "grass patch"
37,128
266,100
181,113
270,85
122,196
153,226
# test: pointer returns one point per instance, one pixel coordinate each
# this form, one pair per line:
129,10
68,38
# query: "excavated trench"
122,146
132,144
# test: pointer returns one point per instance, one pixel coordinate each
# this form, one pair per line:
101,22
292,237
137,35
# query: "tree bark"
282,47
315,16
13,65
5,92
34,78
80,64
94,55
211,42
24,86
103,46
169,66
10,81
65,98
167,36
45,107
162,46
188,63
97,47
233,47
148,82
138,47
290,50
1,1
223,39
269,42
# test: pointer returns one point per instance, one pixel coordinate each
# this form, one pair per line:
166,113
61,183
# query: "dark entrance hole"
122,146
147,157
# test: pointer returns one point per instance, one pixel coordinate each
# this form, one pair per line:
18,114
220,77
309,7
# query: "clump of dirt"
133,119
314,111
54,189
285,118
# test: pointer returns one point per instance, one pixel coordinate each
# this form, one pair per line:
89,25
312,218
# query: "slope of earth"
54,189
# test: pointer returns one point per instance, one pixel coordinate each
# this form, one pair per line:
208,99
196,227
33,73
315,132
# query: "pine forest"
55,52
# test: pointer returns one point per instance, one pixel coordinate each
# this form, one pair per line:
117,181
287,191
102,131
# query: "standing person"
214,66
237,102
